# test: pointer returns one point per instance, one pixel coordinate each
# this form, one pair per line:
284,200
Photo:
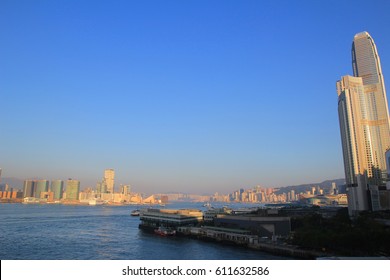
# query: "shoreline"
285,250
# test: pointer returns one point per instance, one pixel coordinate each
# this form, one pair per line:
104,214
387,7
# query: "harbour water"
76,232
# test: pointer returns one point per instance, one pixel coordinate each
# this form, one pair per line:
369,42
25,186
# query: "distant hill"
13,182
325,185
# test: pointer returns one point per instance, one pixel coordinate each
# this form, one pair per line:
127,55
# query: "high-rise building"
72,189
57,187
99,187
125,189
333,189
40,187
29,188
2,187
109,180
364,124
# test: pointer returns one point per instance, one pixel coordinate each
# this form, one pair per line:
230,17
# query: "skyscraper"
364,125
29,188
72,189
41,186
109,179
57,187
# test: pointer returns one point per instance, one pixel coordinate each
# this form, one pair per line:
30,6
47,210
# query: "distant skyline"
178,96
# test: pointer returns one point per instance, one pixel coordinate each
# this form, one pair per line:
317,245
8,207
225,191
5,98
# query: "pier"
244,238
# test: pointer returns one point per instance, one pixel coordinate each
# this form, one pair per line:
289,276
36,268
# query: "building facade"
72,189
109,180
29,188
42,186
57,187
364,125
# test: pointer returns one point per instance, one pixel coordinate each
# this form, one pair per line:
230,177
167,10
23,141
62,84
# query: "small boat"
165,231
96,201
135,212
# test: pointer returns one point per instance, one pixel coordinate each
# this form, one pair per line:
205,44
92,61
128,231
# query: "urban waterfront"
72,232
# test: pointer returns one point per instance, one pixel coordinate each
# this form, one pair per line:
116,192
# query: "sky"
178,96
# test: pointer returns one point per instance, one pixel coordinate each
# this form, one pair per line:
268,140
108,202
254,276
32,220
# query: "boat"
135,212
96,201
165,231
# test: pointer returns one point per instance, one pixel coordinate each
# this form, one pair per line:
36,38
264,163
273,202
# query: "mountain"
12,182
325,185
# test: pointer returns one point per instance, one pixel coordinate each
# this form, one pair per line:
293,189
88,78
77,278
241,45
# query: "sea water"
102,232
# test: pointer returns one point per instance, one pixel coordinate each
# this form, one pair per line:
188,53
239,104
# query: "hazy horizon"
178,96
19,184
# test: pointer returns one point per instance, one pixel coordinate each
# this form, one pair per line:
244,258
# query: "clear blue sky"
189,96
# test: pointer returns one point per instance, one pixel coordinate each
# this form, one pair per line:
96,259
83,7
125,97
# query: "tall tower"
29,188
41,186
109,179
57,187
72,189
364,124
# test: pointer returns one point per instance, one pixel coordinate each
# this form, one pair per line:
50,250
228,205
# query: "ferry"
96,201
135,212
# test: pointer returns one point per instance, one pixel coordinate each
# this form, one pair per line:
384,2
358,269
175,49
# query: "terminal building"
153,218
267,227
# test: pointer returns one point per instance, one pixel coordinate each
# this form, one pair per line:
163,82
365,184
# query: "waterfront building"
109,179
47,196
101,187
29,188
125,189
57,187
72,189
40,187
153,218
268,227
210,214
364,126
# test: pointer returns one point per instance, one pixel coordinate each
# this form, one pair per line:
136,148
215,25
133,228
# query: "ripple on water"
63,232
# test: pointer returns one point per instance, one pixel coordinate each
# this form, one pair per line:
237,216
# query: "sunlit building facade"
72,189
109,180
42,186
57,187
364,125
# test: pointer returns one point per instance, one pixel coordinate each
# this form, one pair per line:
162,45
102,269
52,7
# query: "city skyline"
194,96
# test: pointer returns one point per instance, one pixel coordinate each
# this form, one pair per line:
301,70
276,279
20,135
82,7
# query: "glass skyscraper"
72,189
57,187
40,187
29,188
364,125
